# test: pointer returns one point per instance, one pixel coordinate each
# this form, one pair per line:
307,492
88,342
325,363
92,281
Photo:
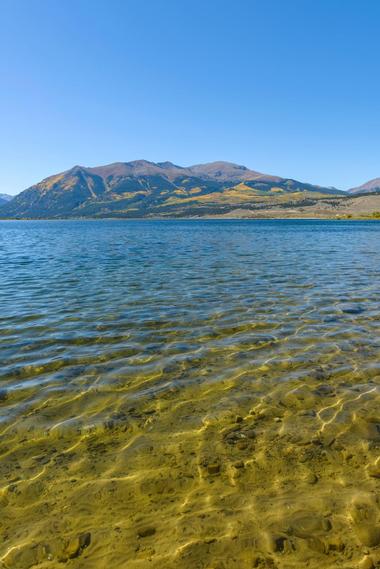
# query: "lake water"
189,394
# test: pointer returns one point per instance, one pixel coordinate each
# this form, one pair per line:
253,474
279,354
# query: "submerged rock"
146,531
374,471
368,534
75,546
311,478
308,525
213,468
366,563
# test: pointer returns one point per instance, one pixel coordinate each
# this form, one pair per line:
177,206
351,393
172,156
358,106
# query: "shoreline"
203,218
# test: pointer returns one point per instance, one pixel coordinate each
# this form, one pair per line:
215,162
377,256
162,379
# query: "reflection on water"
189,395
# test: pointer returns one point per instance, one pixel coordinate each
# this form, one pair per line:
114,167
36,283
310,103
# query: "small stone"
366,563
85,539
242,445
347,456
374,471
277,419
73,548
76,545
307,525
311,478
233,436
336,544
308,413
317,544
250,434
239,419
328,441
239,464
275,543
325,390
146,531
368,535
213,468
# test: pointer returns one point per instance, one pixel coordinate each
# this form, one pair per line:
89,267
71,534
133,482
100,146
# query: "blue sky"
287,87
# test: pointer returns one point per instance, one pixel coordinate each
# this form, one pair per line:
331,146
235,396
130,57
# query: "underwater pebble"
307,525
146,532
374,471
250,434
213,468
368,534
311,478
352,309
325,389
336,544
75,546
275,543
318,545
366,563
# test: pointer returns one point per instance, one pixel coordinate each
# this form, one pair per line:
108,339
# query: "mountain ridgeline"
371,187
4,198
147,189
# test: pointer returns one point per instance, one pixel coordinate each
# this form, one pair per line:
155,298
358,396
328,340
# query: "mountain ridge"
369,187
4,198
141,188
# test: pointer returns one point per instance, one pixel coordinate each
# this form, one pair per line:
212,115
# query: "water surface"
189,394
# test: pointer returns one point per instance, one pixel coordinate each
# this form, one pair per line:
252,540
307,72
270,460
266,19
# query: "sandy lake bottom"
189,395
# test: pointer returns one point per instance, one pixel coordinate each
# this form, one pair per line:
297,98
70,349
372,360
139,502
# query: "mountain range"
368,188
147,189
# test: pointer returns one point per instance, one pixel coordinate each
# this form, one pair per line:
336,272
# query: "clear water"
189,394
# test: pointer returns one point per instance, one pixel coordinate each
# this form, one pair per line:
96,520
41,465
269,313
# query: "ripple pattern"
189,394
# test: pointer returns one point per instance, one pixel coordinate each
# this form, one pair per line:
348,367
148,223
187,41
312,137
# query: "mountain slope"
4,198
145,189
367,188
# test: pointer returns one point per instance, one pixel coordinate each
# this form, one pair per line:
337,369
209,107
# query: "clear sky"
287,87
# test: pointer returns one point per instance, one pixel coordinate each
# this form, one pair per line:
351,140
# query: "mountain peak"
229,172
367,188
168,165
75,170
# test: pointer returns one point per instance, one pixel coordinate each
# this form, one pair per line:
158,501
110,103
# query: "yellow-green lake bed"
189,395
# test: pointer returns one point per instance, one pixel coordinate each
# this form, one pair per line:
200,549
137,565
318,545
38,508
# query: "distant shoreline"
205,218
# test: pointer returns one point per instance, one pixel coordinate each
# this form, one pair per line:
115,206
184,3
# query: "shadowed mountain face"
368,188
4,198
145,189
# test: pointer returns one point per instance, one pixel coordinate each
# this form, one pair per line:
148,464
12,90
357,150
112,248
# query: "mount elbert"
221,189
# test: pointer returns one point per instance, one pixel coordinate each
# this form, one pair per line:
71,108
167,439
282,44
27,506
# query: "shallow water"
189,394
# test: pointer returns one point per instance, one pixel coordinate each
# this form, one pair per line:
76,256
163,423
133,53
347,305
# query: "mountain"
368,188
4,198
147,189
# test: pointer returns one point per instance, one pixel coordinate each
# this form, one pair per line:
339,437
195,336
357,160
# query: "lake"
189,394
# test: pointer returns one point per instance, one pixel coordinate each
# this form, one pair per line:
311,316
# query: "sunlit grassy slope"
146,189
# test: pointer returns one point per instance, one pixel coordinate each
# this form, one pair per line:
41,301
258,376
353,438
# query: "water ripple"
189,394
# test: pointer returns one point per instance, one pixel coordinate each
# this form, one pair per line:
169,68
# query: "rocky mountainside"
368,188
4,198
147,189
